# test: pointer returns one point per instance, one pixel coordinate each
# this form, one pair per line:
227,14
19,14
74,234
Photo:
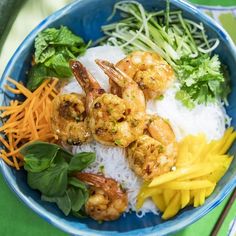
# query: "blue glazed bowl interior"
85,18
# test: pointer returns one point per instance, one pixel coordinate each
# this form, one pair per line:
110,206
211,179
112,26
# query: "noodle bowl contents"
137,124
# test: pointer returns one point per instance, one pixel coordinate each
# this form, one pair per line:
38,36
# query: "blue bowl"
85,17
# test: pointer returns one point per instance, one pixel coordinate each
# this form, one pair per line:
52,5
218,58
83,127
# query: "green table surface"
16,218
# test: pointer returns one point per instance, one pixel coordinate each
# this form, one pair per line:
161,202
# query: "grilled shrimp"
107,200
112,120
152,73
154,153
69,122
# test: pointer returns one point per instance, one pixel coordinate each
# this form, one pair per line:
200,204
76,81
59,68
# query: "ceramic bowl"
85,18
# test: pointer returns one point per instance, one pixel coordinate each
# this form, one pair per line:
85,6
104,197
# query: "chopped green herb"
101,168
201,80
53,50
118,142
160,97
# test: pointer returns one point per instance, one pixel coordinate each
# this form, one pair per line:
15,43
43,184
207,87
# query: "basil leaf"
77,198
62,153
77,183
37,75
63,202
80,214
52,181
81,160
38,155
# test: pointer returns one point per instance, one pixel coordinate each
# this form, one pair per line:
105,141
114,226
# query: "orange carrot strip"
4,142
9,162
12,90
21,87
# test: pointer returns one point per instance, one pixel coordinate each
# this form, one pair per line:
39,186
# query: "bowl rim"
57,221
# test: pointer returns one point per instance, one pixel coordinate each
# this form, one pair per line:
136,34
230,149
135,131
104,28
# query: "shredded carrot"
9,88
26,121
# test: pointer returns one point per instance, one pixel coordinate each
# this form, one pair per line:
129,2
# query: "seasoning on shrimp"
154,154
112,118
152,73
69,121
107,200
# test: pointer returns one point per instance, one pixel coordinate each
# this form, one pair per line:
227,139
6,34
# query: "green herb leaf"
77,198
118,142
185,98
37,75
80,214
49,166
52,181
53,50
77,183
63,202
60,65
201,80
38,155
81,160
43,51
62,153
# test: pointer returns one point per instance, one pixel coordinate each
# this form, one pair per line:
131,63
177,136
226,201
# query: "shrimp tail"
91,87
91,179
109,185
115,74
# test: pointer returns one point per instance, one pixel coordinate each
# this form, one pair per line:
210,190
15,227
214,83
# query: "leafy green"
201,80
182,42
81,160
72,200
50,168
37,75
63,202
51,40
53,50
52,181
38,155
77,198
77,183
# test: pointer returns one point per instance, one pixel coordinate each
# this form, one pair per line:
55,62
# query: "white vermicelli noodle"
209,119
114,165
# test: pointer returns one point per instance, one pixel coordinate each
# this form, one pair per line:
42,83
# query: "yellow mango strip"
173,175
159,201
217,175
173,207
168,195
144,193
187,185
207,169
220,143
185,198
228,143
209,190
200,165
202,196
196,199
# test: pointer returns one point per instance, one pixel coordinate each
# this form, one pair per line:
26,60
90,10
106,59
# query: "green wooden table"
17,219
